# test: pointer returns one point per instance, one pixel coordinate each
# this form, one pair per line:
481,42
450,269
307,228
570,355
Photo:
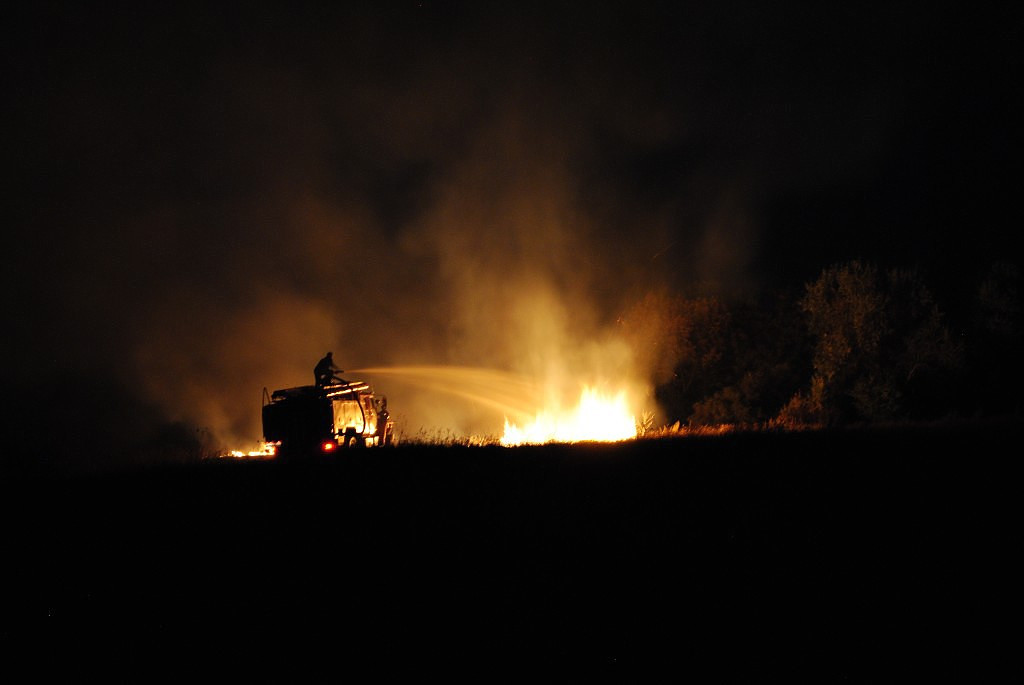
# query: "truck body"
312,420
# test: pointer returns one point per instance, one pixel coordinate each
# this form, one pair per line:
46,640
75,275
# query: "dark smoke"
208,200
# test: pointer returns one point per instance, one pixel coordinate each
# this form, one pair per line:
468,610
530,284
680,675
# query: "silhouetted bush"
860,344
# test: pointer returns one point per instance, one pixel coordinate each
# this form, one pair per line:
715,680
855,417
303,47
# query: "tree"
923,355
845,314
687,353
766,361
879,339
711,363
997,340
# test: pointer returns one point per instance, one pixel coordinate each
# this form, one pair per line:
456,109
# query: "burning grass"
599,417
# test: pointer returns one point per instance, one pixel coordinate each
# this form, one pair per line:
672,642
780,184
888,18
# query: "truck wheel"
353,441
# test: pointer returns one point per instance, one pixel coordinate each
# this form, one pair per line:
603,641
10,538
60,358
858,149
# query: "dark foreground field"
861,556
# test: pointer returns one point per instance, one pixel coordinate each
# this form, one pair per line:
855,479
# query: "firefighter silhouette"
325,370
382,420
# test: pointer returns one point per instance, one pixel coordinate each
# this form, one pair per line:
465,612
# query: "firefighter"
382,420
325,370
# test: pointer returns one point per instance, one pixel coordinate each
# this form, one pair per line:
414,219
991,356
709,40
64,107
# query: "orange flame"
598,417
268,451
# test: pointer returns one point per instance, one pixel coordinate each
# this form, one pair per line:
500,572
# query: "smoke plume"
215,201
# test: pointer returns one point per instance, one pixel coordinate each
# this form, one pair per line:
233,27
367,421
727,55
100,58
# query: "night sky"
202,199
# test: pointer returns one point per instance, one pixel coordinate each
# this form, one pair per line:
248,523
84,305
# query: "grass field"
850,556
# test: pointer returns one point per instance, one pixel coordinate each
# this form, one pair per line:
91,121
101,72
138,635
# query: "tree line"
857,344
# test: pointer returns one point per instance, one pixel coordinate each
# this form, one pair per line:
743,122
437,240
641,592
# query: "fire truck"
312,420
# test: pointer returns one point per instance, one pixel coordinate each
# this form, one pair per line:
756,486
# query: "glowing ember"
268,451
597,417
